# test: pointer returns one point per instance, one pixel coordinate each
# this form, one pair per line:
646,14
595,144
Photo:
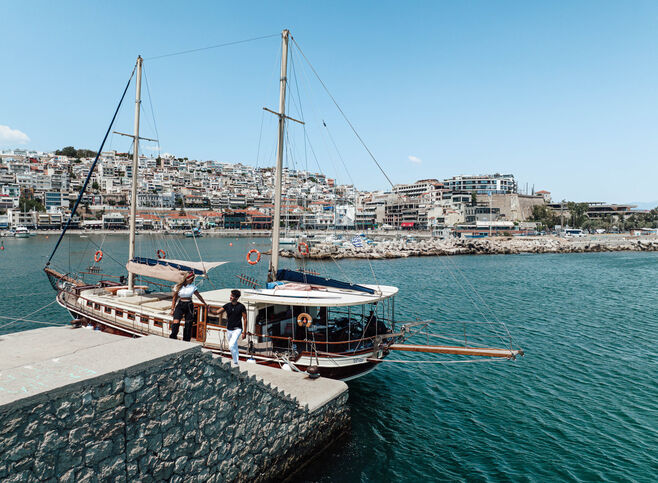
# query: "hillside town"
38,190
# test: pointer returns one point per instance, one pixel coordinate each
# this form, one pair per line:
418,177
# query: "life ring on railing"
304,319
161,254
249,260
98,256
303,248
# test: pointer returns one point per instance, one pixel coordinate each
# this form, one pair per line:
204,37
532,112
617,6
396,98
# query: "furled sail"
171,270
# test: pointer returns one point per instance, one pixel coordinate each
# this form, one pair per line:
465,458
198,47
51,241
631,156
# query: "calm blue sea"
582,405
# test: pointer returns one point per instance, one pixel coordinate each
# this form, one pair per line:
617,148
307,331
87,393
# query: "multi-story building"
482,184
54,200
408,214
430,189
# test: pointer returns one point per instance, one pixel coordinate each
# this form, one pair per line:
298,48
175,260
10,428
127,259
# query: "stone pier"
82,405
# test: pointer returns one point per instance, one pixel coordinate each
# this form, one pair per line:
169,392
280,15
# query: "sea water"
581,405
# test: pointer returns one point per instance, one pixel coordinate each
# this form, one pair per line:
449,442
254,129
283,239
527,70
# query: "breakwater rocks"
108,408
477,246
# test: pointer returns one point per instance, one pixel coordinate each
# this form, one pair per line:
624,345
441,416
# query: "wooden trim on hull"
342,373
345,373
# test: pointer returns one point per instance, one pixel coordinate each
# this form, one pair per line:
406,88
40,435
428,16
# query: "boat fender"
161,254
303,248
250,261
98,256
304,319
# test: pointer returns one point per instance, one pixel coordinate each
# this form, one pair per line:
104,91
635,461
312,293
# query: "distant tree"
67,151
474,198
71,152
29,204
95,186
85,153
578,213
544,215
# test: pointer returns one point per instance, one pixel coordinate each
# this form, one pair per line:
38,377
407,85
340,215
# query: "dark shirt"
234,315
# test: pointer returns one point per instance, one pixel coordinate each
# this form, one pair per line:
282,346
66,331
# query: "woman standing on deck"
183,292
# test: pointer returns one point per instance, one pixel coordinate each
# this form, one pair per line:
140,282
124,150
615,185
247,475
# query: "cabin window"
118,313
157,323
143,320
89,303
215,320
130,316
108,310
97,306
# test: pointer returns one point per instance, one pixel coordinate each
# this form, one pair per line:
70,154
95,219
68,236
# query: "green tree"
578,213
544,215
67,151
95,186
474,198
29,204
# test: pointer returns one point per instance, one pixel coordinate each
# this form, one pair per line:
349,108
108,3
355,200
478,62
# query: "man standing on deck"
236,321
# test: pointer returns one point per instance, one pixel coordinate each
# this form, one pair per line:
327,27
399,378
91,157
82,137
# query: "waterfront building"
407,214
16,218
114,221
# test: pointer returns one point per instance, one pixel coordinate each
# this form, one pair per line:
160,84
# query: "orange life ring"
301,317
303,248
98,256
249,260
161,254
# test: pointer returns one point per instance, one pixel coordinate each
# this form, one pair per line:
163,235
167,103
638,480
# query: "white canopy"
167,272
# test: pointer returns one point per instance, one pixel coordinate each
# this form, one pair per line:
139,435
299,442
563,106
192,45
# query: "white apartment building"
429,189
482,184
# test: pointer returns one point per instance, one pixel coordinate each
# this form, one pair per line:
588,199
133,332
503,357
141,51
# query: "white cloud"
415,159
12,136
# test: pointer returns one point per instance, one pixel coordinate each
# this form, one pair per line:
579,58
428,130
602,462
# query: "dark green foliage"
71,152
544,215
29,204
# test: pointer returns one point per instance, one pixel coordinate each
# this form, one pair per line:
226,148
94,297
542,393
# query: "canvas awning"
171,270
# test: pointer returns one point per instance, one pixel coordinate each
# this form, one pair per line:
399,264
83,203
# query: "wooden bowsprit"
408,329
462,351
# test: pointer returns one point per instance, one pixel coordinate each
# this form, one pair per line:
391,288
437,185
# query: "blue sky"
564,95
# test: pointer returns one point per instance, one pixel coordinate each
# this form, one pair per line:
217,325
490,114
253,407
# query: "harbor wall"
176,417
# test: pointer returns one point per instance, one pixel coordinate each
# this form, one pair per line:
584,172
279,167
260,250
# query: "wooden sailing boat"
297,321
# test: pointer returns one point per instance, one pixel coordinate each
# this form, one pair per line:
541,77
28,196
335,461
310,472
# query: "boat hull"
340,367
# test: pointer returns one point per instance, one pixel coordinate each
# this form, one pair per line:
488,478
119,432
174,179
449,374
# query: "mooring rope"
24,317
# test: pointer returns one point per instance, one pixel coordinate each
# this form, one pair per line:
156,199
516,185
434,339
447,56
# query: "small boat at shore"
21,232
194,233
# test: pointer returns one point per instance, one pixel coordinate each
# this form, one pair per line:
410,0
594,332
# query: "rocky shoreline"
485,246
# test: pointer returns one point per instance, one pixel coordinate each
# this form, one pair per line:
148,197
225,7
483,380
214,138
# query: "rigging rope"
91,169
155,126
190,51
28,315
341,111
473,301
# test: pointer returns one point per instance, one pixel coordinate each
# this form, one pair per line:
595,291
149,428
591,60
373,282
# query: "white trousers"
233,336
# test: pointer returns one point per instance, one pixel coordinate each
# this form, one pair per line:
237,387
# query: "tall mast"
274,260
133,199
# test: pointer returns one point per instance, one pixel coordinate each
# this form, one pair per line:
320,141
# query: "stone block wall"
182,417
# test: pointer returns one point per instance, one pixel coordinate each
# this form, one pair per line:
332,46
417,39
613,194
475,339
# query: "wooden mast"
133,200
274,259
